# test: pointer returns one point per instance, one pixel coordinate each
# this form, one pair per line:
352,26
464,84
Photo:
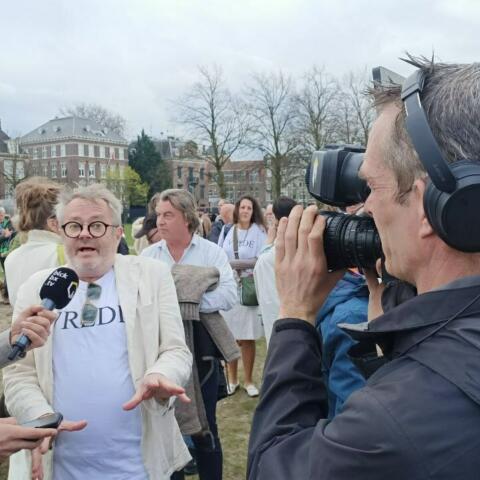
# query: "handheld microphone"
56,292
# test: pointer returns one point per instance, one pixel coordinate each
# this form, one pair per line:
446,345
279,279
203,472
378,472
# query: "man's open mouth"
86,249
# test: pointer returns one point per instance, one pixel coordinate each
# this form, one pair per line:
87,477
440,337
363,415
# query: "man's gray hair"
93,193
451,100
184,202
2,210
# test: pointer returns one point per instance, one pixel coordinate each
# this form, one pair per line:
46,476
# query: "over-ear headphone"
452,197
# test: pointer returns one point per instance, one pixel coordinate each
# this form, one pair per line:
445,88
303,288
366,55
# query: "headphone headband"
422,137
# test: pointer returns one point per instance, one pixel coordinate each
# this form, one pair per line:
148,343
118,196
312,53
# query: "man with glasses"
118,345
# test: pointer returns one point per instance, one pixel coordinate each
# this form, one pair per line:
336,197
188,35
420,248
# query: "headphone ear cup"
455,216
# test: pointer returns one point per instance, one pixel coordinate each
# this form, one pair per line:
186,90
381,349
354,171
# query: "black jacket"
215,231
417,418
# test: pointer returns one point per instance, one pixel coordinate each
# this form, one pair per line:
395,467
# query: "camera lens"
350,241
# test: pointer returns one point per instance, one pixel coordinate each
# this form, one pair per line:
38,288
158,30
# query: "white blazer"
155,343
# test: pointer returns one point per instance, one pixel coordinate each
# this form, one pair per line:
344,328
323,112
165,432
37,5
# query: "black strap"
235,242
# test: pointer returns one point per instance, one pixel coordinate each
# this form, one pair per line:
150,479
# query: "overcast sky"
136,56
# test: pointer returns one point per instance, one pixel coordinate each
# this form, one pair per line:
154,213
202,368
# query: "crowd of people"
363,379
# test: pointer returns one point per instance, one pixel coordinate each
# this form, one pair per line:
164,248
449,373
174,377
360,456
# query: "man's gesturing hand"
155,385
35,323
303,281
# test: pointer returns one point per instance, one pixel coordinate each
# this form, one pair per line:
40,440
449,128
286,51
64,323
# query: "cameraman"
418,417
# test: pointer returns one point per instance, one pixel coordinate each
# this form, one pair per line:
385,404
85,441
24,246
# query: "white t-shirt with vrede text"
250,242
91,381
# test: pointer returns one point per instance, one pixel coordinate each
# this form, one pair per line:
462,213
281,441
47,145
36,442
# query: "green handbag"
247,294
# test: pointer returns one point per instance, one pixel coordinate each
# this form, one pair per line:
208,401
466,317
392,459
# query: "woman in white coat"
36,199
244,322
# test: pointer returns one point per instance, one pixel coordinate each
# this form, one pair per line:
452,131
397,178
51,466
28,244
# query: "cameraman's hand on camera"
376,289
303,281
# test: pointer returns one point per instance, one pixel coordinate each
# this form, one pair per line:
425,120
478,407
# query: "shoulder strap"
235,242
60,254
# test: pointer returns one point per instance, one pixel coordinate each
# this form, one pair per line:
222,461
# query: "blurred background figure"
6,236
36,199
225,218
244,321
149,230
264,271
141,242
205,226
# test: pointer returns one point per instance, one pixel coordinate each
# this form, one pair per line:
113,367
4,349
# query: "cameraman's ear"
419,187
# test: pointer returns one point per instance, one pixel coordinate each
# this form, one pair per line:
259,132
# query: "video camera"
332,178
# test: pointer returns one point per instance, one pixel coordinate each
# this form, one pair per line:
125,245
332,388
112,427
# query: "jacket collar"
403,327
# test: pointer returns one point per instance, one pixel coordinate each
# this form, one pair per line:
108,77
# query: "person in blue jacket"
347,303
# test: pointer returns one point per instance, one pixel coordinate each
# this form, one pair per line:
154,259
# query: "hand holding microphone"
34,322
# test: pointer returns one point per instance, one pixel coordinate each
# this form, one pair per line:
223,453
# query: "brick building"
74,150
243,177
189,167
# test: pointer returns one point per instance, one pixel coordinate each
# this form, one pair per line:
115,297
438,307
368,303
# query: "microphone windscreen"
60,287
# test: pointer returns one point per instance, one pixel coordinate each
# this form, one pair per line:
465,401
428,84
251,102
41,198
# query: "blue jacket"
347,303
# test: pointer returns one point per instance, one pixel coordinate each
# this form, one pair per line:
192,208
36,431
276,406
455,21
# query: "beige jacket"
155,343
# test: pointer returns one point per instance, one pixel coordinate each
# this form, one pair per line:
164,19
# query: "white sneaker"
232,388
252,390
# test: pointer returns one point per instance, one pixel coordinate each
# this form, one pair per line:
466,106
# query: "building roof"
72,128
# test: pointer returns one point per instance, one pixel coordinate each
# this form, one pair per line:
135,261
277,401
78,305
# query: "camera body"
332,178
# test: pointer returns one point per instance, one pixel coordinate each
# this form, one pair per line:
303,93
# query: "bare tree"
111,120
214,116
273,114
355,113
16,168
315,103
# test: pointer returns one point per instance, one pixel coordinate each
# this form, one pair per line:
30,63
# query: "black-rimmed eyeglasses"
95,229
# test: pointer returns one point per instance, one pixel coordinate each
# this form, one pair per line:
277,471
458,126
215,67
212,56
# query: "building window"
103,170
202,173
179,172
44,152
91,170
81,169
63,150
190,173
107,152
53,169
117,154
86,151
96,151
63,168
202,191
45,170
125,154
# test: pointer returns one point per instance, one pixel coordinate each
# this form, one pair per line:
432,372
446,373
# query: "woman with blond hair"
36,199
